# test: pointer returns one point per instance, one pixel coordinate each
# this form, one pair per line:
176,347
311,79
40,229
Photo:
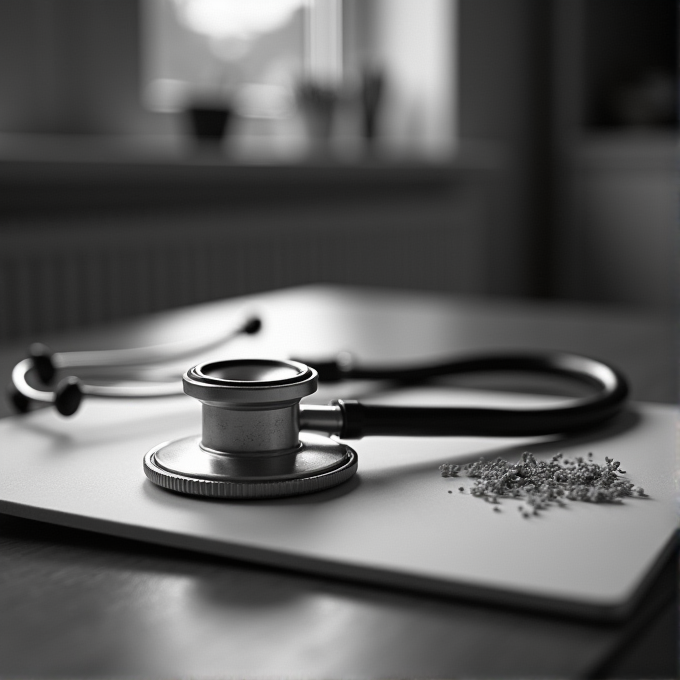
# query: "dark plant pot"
209,123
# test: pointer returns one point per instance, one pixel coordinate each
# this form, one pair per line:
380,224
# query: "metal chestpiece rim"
251,445
249,381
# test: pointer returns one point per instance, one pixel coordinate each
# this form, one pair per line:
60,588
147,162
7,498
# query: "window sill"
52,172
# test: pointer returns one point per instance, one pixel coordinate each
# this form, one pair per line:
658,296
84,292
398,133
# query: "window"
347,74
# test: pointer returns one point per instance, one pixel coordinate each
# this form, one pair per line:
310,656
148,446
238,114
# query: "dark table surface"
81,605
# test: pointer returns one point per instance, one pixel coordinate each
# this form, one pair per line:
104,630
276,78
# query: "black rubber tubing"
611,392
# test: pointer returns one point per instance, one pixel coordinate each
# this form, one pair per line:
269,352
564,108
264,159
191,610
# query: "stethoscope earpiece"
68,395
18,400
39,360
43,362
252,325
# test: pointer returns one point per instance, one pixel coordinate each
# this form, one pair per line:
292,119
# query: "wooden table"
75,604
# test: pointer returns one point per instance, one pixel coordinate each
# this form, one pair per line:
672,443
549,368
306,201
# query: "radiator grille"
60,276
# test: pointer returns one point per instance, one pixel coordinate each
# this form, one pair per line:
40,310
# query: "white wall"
619,243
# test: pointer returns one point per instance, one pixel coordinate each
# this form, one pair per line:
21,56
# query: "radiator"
74,274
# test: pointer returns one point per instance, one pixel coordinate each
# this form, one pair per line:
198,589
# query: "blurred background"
159,153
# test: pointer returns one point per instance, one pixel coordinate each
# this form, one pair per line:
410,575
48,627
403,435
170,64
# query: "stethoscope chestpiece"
251,445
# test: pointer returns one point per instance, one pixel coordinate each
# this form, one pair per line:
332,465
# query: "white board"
393,524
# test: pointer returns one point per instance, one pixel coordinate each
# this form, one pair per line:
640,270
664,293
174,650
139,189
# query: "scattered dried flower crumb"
542,484
449,470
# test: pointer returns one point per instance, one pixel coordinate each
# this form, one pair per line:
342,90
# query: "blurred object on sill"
209,123
318,104
372,101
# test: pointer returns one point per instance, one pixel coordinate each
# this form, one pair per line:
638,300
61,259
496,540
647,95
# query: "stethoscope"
259,441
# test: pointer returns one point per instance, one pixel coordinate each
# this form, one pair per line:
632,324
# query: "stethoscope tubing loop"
578,414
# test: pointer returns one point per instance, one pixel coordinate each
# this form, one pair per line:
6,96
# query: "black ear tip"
19,401
252,326
43,361
68,396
